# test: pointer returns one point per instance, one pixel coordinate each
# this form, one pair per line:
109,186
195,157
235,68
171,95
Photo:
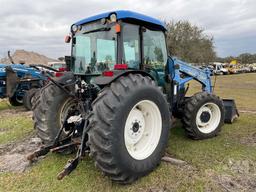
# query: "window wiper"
98,30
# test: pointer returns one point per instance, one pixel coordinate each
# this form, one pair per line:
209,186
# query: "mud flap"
231,112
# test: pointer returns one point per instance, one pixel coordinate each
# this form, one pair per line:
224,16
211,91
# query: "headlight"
74,28
2,82
103,21
112,17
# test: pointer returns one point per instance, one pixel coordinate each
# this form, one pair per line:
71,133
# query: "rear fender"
106,80
67,80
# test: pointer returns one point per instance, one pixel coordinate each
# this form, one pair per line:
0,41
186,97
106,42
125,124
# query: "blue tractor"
20,82
118,101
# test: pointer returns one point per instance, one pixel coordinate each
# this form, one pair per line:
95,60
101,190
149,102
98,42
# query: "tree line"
244,58
190,43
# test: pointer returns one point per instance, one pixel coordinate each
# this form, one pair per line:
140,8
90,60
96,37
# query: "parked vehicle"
60,66
19,82
219,69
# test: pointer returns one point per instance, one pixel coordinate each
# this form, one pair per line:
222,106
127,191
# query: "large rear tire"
49,112
203,116
129,128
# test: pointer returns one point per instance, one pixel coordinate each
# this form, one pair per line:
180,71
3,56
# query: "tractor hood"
2,70
21,70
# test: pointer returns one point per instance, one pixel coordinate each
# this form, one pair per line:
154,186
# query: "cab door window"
155,54
131,46
154,48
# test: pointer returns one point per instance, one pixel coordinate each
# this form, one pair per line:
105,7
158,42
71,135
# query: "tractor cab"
118,40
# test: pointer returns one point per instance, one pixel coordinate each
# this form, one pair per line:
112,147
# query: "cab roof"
125,14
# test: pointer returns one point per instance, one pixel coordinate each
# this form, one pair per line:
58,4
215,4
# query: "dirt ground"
13,155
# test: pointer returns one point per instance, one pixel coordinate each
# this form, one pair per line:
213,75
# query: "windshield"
94,49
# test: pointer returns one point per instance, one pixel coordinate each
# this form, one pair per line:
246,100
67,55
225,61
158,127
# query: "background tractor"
118,101
20,82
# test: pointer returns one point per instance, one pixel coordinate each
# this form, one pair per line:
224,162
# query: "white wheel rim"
208,118
143,129
66,107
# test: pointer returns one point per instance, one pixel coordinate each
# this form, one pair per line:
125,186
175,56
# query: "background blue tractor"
118,101
19,83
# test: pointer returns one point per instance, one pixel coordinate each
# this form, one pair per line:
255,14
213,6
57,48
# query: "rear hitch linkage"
59,144
72,164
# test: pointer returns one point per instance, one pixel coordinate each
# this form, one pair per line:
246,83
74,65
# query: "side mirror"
67,39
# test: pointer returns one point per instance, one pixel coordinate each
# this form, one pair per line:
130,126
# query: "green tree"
244,58
189,43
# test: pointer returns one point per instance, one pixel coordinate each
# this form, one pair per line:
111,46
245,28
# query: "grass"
204,157
5,105
241,87
14,128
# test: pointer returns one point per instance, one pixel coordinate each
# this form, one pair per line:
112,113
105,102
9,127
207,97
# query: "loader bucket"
231,112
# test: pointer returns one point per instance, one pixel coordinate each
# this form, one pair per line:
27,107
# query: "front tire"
203,116
16,100
123,114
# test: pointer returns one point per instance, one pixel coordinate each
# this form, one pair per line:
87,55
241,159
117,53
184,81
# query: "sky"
41,26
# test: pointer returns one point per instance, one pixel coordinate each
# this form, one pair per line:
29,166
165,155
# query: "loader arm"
185,72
